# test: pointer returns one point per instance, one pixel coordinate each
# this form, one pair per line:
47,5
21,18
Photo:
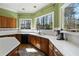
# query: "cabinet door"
18,36
45,45
37,42
29,39
51,49
0,21
13,24
7,23
3,22
33,41
57,52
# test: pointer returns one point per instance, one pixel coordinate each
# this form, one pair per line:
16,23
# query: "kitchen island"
7,44
66,48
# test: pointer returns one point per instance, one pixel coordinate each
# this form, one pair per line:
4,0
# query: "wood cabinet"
44,45
7,22
14,52
34,40
57,52
18,36
3,22
31,39
0,21
51,49
40,43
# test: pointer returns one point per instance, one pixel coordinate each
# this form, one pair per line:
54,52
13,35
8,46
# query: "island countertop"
7,44
65,47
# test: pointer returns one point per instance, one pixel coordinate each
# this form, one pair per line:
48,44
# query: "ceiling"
23,7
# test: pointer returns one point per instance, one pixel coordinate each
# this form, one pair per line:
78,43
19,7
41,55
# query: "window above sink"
45,22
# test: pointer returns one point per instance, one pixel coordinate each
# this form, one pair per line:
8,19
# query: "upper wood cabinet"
0,21
7,22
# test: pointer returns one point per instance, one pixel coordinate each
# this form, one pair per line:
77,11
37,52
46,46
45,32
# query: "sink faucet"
38,31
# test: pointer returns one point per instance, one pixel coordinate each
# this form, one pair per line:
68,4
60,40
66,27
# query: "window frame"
24,19
62,18
43,16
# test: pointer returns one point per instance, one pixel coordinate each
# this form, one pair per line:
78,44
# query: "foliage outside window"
44,22
71,21
25,24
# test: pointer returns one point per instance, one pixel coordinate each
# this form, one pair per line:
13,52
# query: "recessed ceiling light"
34,6
23,8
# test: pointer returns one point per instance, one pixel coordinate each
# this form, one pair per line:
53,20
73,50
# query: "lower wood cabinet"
14,52
34,40
51,49
44,45
57,52
37,42
18,36
40,43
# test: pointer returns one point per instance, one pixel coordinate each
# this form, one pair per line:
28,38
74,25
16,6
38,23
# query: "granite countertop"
65,47
7,44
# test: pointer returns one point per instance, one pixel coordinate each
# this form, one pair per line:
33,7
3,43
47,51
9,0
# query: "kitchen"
38,29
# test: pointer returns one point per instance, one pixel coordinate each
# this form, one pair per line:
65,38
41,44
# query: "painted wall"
49,9
4,12
25,15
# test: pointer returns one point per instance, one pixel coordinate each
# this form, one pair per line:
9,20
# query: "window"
45,22
25,24
71,17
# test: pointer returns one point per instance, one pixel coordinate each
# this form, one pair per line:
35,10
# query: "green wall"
4,12
25,15
49,9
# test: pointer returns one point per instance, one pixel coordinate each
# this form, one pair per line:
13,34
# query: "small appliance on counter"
60,36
